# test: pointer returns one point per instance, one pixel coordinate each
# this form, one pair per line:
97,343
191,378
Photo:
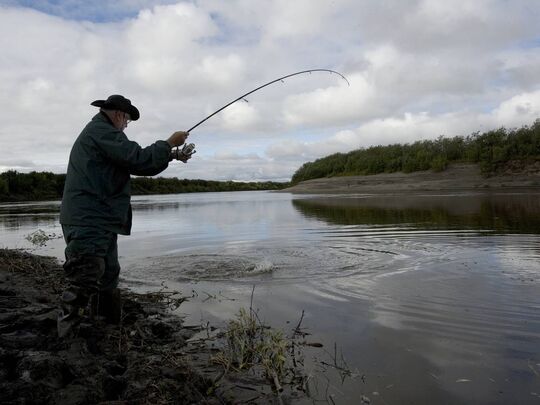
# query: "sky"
417,69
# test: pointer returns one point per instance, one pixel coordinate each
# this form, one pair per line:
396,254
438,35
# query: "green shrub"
489,149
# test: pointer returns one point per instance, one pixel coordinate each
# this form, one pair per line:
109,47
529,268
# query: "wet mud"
152,357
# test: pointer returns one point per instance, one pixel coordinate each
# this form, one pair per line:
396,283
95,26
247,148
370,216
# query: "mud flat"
152,357
456,178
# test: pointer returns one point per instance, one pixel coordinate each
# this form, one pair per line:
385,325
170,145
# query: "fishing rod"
189,149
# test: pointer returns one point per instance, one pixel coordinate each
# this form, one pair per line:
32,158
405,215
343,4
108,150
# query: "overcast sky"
417,69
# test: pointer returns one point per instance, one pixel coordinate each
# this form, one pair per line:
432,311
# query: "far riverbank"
456,178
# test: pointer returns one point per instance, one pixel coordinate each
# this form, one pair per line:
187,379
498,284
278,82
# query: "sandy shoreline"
457,178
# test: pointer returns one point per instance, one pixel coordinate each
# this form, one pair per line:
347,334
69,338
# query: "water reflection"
460,298
14,216
518,213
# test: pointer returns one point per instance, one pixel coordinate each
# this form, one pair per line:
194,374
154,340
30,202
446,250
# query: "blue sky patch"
99,11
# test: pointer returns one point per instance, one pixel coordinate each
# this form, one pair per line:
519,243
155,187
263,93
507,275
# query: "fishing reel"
183,154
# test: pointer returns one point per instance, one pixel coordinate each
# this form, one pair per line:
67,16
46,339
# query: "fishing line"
264,85
188,149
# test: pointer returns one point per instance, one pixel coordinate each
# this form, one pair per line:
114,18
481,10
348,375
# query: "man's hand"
178,138
183,154
184,158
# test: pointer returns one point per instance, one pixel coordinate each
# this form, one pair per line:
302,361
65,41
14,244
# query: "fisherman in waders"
96,207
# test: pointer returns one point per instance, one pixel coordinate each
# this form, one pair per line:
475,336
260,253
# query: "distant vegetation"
15,186
161,185
32,186
490,150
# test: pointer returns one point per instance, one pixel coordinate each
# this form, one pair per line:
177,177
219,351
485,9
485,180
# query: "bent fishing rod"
189,149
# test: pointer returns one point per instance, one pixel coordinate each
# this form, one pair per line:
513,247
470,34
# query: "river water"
419,299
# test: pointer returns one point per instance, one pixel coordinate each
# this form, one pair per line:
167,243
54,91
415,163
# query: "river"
417,299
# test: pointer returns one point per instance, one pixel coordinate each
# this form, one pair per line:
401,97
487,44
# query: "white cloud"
300,18
519,110
410,127
342,141
334,104
158,41
240,116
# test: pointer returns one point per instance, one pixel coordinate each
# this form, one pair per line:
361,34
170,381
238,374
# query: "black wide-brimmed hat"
120,103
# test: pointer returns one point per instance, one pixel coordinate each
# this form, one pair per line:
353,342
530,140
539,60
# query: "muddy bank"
456,178
152,357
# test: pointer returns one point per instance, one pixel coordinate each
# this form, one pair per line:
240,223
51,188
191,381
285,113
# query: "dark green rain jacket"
97,191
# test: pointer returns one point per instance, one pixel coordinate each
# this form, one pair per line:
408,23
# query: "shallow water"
427,299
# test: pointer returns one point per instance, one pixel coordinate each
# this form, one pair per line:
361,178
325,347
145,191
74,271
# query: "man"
96,206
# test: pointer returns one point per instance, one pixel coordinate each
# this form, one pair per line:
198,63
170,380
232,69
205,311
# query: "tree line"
34,186
490,150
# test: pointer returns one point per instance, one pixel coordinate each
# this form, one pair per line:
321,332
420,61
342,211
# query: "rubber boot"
74,303
108,304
